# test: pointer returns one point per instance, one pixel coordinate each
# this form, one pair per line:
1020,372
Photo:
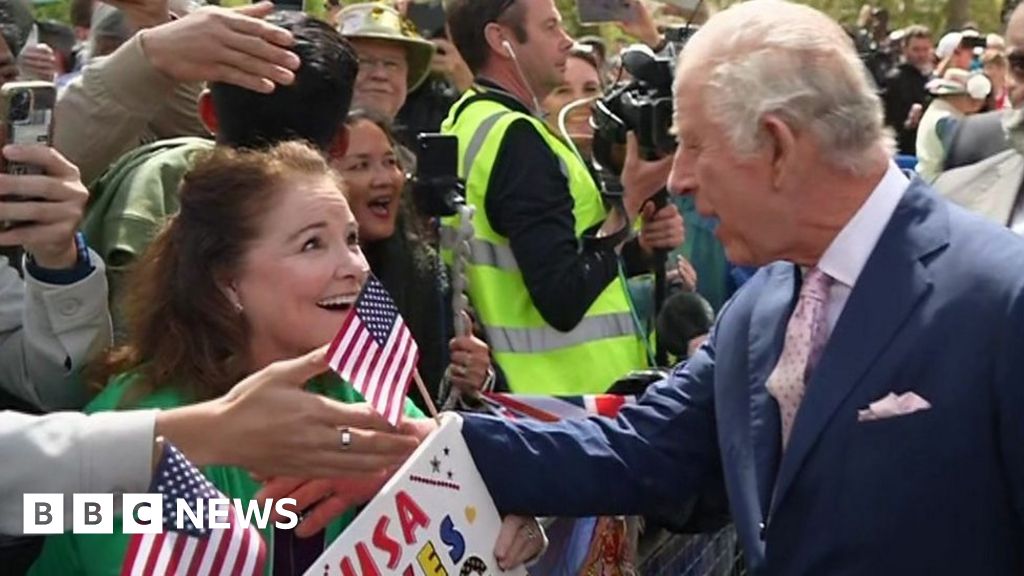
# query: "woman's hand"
471,360
684,273
270,425
324,499
39,63
520,540
641,25
332,497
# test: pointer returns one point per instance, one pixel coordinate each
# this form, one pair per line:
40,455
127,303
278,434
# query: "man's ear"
496,40
339,147
207,114
781,143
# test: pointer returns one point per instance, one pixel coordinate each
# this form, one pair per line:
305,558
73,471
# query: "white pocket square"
892,405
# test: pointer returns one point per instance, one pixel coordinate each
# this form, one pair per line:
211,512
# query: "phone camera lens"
21,106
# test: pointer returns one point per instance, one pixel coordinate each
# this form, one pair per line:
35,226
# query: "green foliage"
58,11
932,13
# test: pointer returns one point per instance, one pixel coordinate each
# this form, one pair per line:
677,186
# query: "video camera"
642,105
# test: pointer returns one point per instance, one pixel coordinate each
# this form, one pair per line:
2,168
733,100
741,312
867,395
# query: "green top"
130,203
103,554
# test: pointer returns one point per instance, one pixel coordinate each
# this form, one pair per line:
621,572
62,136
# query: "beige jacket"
988,187
118,103
48,332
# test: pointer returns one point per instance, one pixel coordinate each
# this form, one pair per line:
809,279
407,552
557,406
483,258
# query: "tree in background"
939,15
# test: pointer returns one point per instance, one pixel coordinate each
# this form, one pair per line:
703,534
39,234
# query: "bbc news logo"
144,513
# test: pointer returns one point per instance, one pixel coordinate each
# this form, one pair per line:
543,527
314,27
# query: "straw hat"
377,21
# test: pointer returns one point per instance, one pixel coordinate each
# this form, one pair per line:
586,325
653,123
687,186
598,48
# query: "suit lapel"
767,331
890,287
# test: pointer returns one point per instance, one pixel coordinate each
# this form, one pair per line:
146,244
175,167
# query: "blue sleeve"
1010,403
657,454
80,271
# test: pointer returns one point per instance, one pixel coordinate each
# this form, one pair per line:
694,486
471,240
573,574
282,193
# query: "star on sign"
435,464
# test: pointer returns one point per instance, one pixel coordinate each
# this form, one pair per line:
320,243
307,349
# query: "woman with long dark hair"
375,183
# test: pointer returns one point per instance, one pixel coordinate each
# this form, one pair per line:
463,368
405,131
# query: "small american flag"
375,351
192,551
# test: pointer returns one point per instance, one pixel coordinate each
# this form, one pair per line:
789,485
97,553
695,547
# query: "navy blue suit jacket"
938,310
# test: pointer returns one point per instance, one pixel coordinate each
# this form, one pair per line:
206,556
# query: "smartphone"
602,11
974,42
436,190
26,110
682,4
428,16
289,5
437,156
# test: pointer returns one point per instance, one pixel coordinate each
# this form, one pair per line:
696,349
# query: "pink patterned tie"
806,334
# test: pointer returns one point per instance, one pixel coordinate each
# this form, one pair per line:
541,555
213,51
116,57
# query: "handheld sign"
434,517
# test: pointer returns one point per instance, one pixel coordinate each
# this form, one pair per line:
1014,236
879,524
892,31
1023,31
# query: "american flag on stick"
192,551
375,351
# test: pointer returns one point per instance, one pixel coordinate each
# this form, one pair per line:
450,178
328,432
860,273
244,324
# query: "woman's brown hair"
184,332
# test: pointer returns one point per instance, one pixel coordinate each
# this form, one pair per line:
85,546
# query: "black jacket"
905,87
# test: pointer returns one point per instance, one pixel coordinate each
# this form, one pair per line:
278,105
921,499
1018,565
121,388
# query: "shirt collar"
501,95
849,251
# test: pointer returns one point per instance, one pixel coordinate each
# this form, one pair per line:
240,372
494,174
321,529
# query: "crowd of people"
928,83
221,183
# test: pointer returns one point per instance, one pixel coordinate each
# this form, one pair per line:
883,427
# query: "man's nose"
681,181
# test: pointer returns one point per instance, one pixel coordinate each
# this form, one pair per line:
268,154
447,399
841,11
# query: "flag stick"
426,396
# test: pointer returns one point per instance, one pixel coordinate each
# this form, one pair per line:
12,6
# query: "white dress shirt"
845,257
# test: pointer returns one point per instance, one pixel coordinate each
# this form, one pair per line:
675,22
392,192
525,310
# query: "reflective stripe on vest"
546,339
476,143
478,139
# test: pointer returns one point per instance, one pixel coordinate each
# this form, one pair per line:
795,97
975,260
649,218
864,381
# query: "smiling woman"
226,289
582,82
262,263
406,265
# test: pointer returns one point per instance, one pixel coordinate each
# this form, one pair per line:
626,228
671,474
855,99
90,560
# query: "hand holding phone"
50,205
602,11
27,112
42,198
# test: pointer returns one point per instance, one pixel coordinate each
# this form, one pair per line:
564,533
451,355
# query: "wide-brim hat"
376,21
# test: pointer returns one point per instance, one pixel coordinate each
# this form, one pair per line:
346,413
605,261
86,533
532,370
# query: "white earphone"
538,111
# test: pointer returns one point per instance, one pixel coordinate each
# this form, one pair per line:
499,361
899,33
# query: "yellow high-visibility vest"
535,357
